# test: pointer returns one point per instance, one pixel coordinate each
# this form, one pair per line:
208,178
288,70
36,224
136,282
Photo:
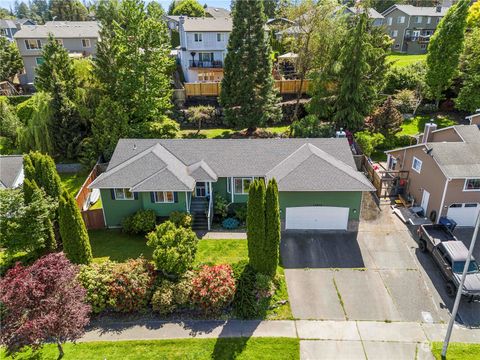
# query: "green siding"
220,187
348,199
116,210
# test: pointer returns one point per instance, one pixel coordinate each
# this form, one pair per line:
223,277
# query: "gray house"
78,37
411,27
8,27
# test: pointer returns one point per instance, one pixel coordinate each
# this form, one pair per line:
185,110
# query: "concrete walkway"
224,235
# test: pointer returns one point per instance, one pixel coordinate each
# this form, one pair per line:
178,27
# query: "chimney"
427,133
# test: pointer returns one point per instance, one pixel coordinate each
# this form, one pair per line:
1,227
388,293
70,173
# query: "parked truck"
450,255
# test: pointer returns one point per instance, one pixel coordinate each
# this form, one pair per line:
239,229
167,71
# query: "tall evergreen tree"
68,10
41,169
386,119
76,243
248,93
445,48
189,8
10,60
272,229
256,224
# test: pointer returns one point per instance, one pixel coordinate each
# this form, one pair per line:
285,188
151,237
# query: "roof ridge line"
286,159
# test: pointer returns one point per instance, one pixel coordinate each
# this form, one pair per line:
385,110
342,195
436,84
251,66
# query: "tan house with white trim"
444,171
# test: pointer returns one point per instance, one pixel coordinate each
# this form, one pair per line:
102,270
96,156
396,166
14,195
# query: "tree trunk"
250,131
299,96
60,350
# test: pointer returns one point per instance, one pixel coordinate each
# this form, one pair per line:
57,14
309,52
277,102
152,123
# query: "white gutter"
447,180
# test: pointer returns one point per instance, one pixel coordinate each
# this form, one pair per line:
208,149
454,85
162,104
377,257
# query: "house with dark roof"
11,171
444,171
8,27
411,27
319,185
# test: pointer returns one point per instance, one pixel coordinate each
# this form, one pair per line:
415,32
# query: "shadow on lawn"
231,342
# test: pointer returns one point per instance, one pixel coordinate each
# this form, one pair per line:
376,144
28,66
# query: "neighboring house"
319,185
8,27
376,18
79,38
11,171
444,171
203,46
411,27
217,12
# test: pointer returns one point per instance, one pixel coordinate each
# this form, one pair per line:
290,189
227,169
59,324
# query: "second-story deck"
215,64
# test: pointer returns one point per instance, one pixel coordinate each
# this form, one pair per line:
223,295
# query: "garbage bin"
449,223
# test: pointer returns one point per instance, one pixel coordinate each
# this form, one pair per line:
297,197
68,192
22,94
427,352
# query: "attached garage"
316,218
464,214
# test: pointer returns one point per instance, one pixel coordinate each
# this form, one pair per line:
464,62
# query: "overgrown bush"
202,116
170,296
96,279
230,223
220,207
240,211
244,301
404,101
368,141
213,288
131,288
310,127
141,222
182,219
410,77
174,248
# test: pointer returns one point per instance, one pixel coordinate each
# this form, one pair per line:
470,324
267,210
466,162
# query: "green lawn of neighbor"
401,60
221,133
457,351
192,349
416,124
73,181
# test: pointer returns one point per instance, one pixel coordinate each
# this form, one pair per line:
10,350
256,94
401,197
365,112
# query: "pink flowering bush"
213,288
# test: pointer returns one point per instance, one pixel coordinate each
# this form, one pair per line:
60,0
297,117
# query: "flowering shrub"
132,284
213,288
181,219
96,279
169,295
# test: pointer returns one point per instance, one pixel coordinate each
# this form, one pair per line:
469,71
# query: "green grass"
457,351
73,181
401,60
416,124
223,133
193,349
224,251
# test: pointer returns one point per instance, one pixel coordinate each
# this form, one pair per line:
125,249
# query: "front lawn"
416,124
457,351
224,251
401,60
72,182
223,133
198,349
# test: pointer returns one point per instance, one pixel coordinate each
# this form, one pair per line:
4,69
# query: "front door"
425,199
201,189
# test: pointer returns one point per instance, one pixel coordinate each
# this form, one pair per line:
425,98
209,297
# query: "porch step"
200,222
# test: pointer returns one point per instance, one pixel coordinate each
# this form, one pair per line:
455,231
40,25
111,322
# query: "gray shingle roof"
10,168
223,24
7,24
372,13
418,10
456,159
217,12
60,29
175,164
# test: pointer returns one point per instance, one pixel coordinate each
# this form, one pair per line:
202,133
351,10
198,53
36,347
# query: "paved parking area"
375,274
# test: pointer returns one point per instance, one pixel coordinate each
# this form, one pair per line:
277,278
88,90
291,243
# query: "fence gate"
93,219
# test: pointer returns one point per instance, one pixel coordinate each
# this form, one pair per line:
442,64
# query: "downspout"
186,202
443,199
405,30
231,187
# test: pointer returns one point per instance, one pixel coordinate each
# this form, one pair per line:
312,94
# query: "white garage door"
316,218
464,214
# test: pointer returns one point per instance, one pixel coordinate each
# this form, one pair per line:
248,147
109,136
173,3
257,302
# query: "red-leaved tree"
42,302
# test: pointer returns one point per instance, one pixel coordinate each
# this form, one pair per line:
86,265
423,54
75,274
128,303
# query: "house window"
400,19
39,60
123,194
394,33
241,185
429,20
205,57
423,46
389,21
3,32
419,19
472,185
219,37
417,165
197,37
164,197
33,44
86,43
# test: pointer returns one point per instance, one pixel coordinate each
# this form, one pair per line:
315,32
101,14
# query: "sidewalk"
214,235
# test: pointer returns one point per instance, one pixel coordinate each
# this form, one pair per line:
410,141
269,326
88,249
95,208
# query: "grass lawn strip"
72,182
198,349
416,125
457,351
401,60
223,133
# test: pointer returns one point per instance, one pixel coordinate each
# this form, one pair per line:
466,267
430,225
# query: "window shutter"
135,195
152,197
112,193
175,197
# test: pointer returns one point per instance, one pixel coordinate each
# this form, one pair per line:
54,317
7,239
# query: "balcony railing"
206,64
419,38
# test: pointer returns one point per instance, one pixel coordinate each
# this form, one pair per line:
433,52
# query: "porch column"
210,188
232,187
186,202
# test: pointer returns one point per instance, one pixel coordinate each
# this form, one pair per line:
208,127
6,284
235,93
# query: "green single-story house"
319,185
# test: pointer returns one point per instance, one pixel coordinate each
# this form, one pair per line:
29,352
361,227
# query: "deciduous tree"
386,119
42,302
189,8
445,48
248,93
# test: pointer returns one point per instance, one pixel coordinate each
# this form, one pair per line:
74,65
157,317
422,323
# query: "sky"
214,3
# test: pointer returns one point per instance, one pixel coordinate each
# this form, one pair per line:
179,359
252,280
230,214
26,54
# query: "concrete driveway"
376,273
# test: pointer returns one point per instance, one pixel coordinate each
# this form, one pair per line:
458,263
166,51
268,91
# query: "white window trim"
394,33
124,195
39,44
243,189
390,21
164,197
401,20
220,37
88,42
413,164
419,19
429,19
465,185
197,37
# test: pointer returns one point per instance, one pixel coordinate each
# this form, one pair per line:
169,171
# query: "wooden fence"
214,88
93,219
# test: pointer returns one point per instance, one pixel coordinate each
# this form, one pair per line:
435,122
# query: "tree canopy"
188,8
10,60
